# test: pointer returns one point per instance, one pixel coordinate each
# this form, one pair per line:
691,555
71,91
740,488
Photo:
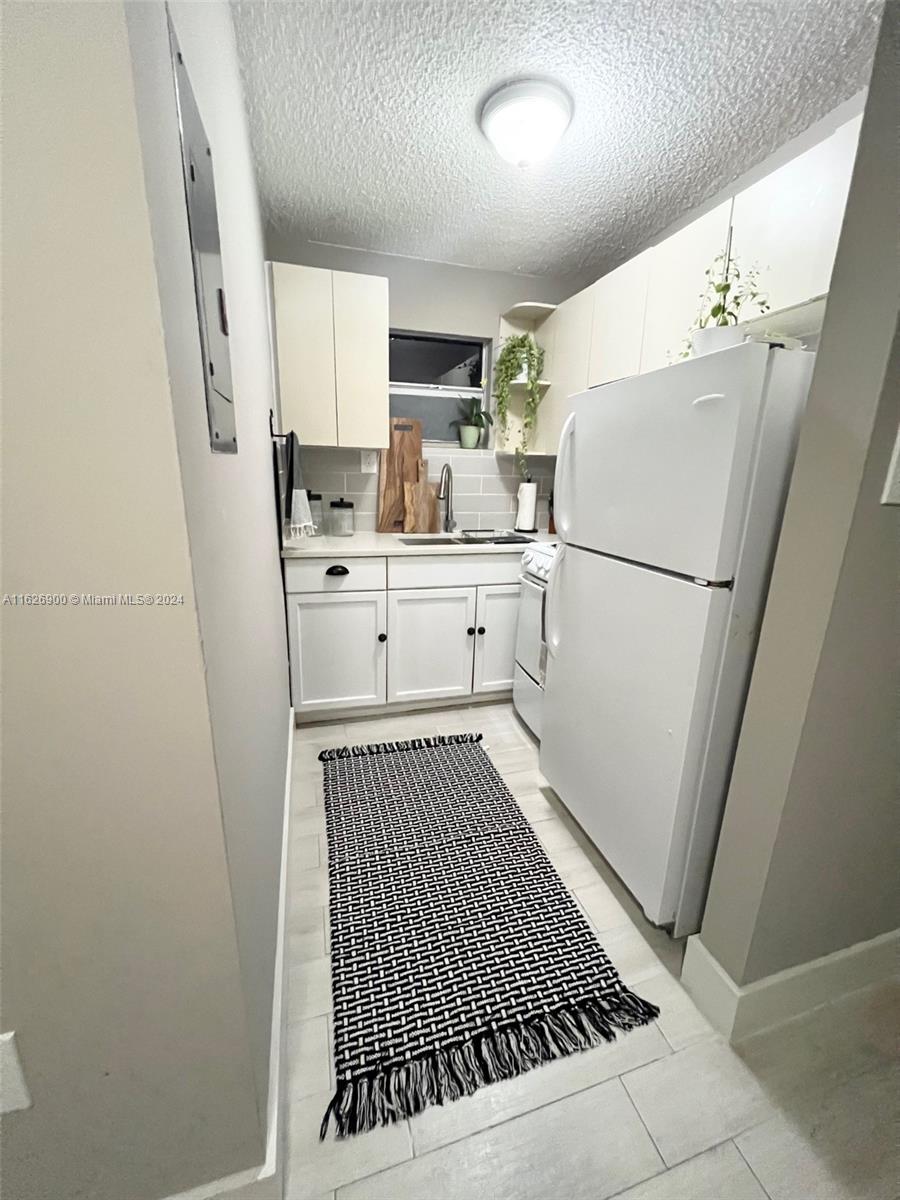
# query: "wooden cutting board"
398,464
420,504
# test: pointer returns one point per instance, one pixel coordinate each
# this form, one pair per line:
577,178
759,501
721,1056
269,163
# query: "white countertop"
389,544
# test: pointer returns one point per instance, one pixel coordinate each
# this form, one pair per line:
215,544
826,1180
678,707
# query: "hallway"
667,1112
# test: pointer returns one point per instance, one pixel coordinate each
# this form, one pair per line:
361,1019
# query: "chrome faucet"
445,492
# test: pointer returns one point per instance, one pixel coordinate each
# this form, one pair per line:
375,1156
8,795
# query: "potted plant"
474,419
727,291
520,355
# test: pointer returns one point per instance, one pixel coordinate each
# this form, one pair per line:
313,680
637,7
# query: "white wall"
429,297
806,863
444,298
841,818
121,972
229,499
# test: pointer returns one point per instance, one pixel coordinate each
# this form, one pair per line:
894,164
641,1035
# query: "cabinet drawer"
453,570
335,574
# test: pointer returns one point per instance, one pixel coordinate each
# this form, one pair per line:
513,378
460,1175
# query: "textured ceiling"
363,116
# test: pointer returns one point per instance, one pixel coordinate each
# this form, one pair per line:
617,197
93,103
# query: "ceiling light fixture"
524,120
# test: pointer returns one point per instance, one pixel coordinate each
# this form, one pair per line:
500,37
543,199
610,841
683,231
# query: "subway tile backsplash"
484,485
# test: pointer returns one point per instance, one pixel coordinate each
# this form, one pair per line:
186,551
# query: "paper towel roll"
525,517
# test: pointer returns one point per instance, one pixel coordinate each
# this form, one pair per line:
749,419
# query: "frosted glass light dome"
525,120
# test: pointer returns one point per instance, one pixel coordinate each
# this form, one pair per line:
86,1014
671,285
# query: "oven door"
530,652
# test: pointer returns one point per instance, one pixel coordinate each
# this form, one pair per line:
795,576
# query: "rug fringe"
444,1075
450,739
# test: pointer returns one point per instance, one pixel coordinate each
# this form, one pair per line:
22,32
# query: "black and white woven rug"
458,956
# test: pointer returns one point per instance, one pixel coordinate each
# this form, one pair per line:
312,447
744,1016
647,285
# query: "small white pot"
716,337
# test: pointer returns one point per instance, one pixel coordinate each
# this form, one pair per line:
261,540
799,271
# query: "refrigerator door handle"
560,485
552,633
709,396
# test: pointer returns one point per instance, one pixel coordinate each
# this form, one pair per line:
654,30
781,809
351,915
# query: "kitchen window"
431,376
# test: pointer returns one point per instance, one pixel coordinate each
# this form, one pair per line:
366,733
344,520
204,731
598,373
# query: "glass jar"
316,512
340,523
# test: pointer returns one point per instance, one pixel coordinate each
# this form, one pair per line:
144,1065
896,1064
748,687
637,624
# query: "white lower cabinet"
496,615
400,645
431,632
338,659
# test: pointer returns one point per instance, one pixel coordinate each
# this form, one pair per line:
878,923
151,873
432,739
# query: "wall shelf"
797,320
533,311
543,384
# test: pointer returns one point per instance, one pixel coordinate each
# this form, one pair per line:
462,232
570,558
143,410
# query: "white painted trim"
739,1011
265,1182
401,708
14,1094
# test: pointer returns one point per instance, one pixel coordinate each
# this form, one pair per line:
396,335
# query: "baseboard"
325,716
739,1011
266,1182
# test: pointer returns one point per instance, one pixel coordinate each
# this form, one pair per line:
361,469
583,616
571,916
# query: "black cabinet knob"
338,570
481,629
471,631
382,637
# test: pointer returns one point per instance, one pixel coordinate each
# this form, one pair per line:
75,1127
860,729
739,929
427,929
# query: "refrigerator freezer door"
633,660
654,468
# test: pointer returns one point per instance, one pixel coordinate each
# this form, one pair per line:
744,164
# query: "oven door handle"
552,642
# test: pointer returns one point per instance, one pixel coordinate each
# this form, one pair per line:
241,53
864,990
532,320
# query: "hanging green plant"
518,352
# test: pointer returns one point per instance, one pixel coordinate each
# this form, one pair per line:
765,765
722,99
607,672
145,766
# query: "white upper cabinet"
361,337
676,282
617,328
303,344
568,339
788,224
330,341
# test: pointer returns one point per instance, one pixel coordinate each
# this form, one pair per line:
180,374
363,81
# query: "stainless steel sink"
446,540
449,539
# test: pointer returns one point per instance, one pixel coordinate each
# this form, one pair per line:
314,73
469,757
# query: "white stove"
531,648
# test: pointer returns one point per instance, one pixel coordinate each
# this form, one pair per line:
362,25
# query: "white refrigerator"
669,494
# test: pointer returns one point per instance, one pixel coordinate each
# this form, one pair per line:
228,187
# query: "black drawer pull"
471,631
338,570
481,629
382,637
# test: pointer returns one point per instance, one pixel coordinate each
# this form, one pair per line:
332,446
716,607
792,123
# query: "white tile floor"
808,1111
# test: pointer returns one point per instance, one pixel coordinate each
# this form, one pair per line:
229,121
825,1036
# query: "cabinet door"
617,328
677,280
565,365
304,352
429,644
337,660
788,223
361,358
496,616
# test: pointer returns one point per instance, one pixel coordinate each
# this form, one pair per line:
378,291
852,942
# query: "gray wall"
806,863
228,499
430,297
121,972
485,485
